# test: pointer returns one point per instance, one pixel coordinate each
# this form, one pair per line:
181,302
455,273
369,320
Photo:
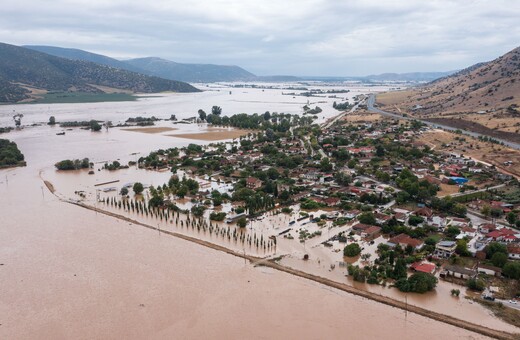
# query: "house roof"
423,267
493,268
372,230
405,239
447,243
513,249
459,269
361,226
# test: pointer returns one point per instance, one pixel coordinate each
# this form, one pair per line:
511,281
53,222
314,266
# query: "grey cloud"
327,37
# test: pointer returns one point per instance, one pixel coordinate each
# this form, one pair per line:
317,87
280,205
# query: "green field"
83,97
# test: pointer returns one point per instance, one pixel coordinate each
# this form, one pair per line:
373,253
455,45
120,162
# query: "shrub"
352,250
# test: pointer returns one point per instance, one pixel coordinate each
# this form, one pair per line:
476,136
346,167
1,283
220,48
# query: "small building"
351,214
371,232
458,272
486,228
489,270
513,252
253,183
404,240
423,267
382,218
445,249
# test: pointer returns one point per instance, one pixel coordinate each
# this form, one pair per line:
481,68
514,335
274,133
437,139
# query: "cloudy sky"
302,37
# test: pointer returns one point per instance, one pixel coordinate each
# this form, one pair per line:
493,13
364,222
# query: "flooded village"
357,200
354,201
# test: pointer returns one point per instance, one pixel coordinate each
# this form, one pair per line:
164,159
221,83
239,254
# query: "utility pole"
406,307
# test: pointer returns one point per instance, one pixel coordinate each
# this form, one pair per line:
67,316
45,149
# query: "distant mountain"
484,98
76,54
162,68
409,77
194,73
22,70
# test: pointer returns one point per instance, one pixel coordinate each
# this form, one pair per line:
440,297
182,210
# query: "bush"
476,284
217,216
352,250
417,283
512,270
499,259
76,164
138,188
198,210
242,222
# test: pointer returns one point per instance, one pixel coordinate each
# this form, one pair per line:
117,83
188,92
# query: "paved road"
370,105
508,304
338,117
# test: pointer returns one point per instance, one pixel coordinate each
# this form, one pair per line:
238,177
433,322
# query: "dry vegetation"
487,152
362,116
487,95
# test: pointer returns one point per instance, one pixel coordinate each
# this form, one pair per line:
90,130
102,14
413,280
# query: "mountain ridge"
22,69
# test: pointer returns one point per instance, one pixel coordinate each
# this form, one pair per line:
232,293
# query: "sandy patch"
213,135
486,152
157,129
362,117
447,189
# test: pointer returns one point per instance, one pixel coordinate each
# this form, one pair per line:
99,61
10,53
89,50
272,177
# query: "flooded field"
185,105
67,272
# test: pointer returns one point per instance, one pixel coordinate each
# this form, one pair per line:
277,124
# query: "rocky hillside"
22,69
483,96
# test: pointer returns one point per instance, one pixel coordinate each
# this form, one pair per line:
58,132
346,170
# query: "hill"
25,73
205,73
483,98
76,54
408,77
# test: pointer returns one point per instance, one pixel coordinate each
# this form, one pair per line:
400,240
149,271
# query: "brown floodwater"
67,272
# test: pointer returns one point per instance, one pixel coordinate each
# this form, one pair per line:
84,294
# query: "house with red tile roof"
423,267
404,240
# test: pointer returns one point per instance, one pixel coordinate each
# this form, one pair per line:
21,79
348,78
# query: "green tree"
486,210
216,110
462,248
198,210
242,222
422,282
499,259
124,191
52,120
94,125
414,220
495,247
202,114
399,271
352,250
367,218
512,270
452,231
511,218
138,188
476,284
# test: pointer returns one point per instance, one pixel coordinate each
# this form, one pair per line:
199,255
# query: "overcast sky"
266,37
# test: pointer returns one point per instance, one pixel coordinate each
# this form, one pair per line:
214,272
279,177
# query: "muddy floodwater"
71,273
